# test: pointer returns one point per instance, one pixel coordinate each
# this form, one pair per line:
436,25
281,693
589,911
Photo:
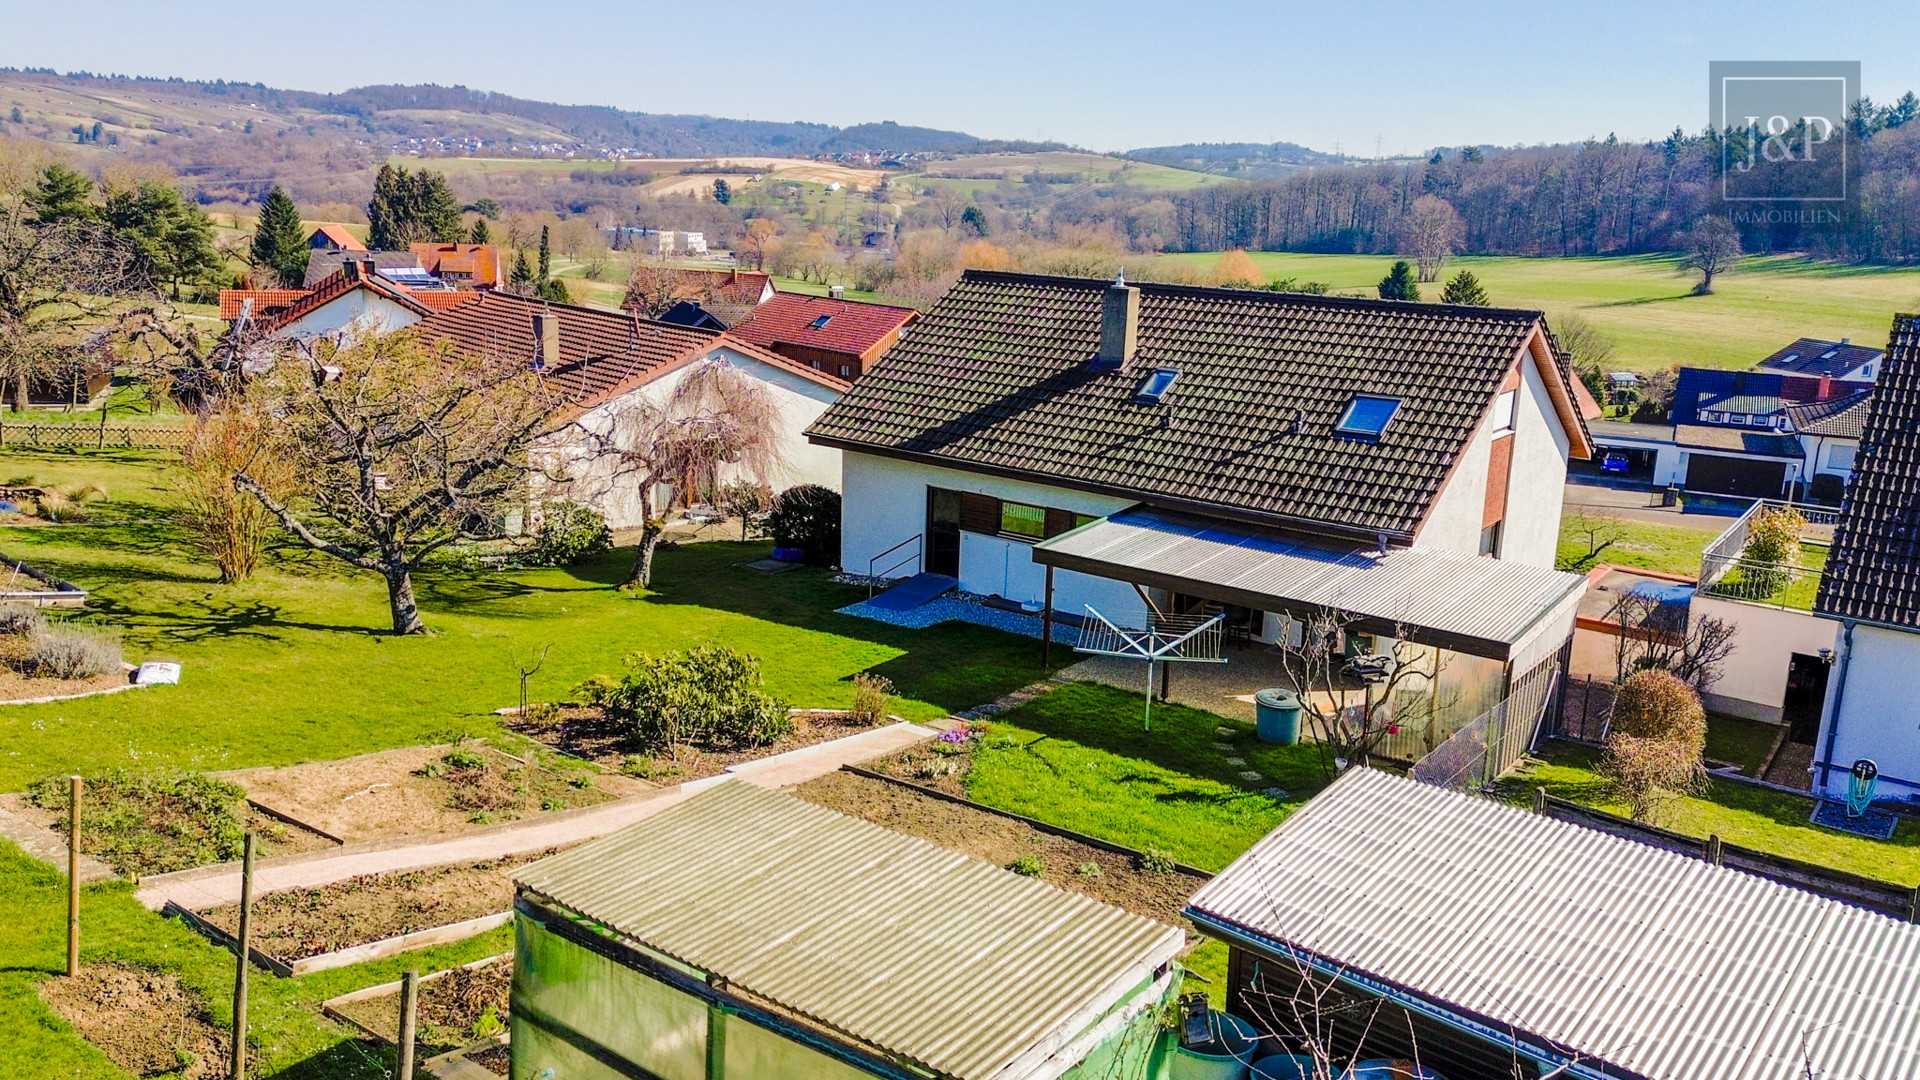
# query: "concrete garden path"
213,886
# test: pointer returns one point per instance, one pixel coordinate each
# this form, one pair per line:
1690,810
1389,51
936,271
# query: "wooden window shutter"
1059,521
979,513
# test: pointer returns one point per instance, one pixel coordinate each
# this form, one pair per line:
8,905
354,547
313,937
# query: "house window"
1020,519
1840,457
1490,539
1156,386
1368,415
846,371
820,322
1503,411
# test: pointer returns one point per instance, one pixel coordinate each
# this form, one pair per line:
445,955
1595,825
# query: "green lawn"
1738,813
295,664
1741,741
1670,549
1647,307
1798,592
127,404
290,1037
1080,760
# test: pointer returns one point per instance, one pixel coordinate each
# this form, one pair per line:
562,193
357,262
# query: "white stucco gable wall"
1875,715
598,478
1535,484
361,307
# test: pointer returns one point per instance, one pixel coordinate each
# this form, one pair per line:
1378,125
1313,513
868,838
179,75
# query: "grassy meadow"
1646,306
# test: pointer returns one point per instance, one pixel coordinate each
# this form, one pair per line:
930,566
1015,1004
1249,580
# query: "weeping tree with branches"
716,418
397,447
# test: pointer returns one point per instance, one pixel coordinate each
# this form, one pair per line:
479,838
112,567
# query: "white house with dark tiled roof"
605,362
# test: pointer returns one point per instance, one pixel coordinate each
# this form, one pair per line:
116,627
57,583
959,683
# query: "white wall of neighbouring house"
1877,717
1535,484
1753,681
598,478
361,307
885,503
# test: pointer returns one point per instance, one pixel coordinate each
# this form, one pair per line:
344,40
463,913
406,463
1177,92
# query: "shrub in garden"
872,699
1773,541
1655,742
1028,866
808,517
20,620
709,695
747,501
222,522
71,652
1154,860
153,823
570,533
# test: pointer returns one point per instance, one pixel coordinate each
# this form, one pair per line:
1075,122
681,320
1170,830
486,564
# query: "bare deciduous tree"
715,416
223,522
945,207
1430,233
1666,637
1600,531
398,447
1710,248
653,287
1403,690
57,282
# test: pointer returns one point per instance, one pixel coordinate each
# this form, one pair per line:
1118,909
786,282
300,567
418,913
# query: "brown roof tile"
1873,568
995,378
265,301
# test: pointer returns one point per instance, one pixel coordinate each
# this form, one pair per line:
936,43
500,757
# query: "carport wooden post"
73,876
244,945
1046,624
409,1014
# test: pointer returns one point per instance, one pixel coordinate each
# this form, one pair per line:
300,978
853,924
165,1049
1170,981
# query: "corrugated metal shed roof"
1656,963
1487,600
924,953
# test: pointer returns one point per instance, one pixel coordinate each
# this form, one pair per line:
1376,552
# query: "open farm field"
1646,306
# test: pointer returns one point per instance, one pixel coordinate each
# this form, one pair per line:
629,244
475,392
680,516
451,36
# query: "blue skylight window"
819,323
1368,415
1156,386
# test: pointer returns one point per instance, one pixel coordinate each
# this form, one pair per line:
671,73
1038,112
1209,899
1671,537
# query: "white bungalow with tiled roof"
602,359
1065,444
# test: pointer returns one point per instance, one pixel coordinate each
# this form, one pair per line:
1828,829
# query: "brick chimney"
1826,388
546,339
350,266
1119,324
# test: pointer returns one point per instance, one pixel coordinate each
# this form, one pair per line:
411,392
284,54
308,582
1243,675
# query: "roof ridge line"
1223,292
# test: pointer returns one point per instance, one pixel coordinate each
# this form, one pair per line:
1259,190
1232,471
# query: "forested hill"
135,113
1246,161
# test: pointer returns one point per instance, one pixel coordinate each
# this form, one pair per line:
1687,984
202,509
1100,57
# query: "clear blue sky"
1103,75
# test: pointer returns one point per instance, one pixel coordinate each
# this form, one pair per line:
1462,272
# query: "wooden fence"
91,437
1885,897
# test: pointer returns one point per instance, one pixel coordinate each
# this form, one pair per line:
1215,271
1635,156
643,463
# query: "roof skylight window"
1156,386
1368,415
819,322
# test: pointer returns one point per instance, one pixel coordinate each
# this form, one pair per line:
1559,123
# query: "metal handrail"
919,554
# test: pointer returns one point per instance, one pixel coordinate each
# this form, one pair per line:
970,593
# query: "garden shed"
746,933
1479,937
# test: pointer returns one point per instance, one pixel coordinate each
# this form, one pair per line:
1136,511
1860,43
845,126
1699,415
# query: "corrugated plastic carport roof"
942,960
1663,965
1482,606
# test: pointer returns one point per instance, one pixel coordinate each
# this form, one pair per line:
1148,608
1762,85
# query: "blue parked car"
1614,462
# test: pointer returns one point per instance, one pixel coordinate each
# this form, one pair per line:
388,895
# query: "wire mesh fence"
91,437
1493,742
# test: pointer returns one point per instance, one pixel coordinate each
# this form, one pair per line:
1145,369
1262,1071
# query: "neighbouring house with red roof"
333,236
357,294
839,337
609,362
472,266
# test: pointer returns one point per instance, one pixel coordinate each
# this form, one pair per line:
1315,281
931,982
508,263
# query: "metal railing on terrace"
1726,572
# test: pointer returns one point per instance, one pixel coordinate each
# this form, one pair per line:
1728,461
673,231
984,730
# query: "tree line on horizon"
1602,197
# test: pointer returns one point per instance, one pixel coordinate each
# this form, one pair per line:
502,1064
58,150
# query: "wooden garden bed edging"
54,593
1034,823
357,954
330,1009
282,816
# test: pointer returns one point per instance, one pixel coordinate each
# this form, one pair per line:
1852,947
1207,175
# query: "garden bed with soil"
1068,864
428,789
144,1021
300,924
18,687
142,829
457,1008
584,732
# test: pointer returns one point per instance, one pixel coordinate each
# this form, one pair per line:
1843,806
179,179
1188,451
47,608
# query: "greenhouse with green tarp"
747,934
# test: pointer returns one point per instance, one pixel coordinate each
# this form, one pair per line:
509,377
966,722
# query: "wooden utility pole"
245,945
73,877
409,1009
